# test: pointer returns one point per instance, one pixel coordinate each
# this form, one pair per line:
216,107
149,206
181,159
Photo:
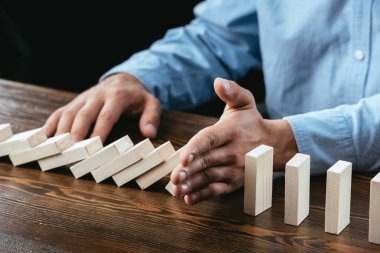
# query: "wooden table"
53,212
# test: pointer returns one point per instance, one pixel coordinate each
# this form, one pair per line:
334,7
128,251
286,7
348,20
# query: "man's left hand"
212,163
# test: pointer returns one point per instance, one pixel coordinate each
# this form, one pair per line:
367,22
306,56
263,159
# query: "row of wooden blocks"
124,161
258,191
121,160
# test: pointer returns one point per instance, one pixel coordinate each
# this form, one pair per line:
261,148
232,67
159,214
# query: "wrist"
280,136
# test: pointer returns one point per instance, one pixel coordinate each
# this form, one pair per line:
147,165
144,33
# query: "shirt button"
359,55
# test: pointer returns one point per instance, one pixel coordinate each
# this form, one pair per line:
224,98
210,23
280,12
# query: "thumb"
233,94
150,117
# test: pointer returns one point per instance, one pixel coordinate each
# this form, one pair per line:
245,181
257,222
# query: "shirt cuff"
325,136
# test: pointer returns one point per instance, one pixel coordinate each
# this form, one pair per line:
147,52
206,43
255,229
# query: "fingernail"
184,189
182,176
151,128
191,158
226,86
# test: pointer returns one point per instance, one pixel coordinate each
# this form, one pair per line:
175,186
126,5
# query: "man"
321,63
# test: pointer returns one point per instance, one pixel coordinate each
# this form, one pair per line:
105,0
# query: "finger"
84,119
216,157
108,116
201,179
211,190
150,117
52,122
204,141
233,94
67,118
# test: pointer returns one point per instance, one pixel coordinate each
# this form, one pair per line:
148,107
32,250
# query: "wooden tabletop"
53,212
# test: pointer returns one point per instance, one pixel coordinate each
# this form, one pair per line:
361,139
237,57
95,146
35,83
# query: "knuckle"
206,178
106,116
69,112
212,140
84,114
205,161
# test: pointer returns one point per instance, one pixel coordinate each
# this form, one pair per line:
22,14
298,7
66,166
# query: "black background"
69,45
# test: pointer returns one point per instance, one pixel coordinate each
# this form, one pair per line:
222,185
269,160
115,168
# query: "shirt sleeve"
222,41
347,132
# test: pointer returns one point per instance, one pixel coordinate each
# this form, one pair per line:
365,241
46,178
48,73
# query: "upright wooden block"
338,197
5,131
158,172
77,152
50,147
107,154
151,160
297,189
24,140
374,211
133,155
258,180
170,187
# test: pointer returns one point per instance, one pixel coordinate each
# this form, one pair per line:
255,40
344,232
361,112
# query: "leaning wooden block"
151,160
338,197
297,189
107,154
126,159
50,147
374,211
258,180
24,140
170,187
77,152
5,131
158,172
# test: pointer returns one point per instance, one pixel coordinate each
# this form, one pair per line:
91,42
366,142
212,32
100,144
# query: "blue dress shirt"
321,63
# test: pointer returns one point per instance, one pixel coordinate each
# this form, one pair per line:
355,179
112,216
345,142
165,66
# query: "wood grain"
53,212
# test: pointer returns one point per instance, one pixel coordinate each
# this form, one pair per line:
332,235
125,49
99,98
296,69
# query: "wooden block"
374,211
133,155
24,140
5,131
107,154
258,180
170,187
297,189
338,197
77,152
151,160
50,147
158,172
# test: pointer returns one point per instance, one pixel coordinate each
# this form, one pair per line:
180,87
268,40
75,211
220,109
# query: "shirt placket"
360,49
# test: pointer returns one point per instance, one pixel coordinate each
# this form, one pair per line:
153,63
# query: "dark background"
69,45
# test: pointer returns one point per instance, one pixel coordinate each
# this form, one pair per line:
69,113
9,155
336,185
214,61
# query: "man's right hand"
103,105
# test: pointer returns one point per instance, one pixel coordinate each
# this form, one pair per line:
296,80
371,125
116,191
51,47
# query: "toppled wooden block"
258,180
77,152
50,147
338,197
5,131
24,140
133,155
105,155
170,187
158,172
297,189
151,160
